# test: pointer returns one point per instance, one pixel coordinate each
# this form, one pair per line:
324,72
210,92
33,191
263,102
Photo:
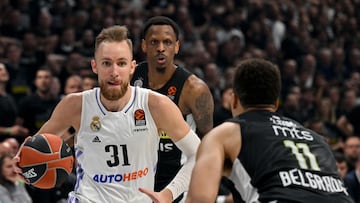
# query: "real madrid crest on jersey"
95,124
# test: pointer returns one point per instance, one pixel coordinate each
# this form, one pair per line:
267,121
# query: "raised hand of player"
165,196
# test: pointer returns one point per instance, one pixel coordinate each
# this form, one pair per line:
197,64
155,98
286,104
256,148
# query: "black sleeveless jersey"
281,160
169,162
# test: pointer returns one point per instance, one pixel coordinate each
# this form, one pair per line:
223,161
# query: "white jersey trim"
242,182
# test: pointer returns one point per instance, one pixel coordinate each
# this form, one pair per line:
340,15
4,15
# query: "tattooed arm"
197,99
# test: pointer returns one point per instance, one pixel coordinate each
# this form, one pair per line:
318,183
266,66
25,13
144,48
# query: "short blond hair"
114,33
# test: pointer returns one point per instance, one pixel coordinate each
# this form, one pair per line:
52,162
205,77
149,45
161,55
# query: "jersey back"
170,157
282,160
116,152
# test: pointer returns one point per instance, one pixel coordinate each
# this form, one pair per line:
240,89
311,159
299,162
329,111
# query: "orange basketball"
46,160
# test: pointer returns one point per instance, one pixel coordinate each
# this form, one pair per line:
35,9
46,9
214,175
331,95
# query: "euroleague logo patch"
139,117
171,92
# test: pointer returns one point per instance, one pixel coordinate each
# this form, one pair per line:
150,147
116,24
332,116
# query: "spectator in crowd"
86,45
36,108
342,164
222,111
352,181
320,127
13,143
307,104
291,107
5,148
11,188
349,114
350,122
307,71
56,86
73,83
289,77
338,64
349,101
67,42
8,109
352,150
13,24
19,84
89,82
326,113
32,56
214,82
333,93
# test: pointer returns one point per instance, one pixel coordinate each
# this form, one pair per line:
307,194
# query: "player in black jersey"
160,43
271,158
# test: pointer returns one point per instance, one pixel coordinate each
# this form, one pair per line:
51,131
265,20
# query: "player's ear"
177,46
132,66
234,106
143,45
93,66
235,102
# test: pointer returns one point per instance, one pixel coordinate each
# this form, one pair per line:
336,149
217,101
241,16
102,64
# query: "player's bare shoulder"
197,90
195,82
166,114
73,99
71,104
158,103
229,135
155,97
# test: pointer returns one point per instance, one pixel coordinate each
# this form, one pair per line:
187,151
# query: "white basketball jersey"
116,152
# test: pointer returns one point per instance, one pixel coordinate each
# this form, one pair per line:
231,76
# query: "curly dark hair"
257,82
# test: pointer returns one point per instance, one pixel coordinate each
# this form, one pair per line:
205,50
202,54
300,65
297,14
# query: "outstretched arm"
168,118
188,145
66,114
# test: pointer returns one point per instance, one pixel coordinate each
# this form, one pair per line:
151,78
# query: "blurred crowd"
46,47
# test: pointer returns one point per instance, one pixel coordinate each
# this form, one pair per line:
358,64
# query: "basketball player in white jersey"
117,130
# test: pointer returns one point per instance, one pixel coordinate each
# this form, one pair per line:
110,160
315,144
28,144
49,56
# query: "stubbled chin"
160,69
